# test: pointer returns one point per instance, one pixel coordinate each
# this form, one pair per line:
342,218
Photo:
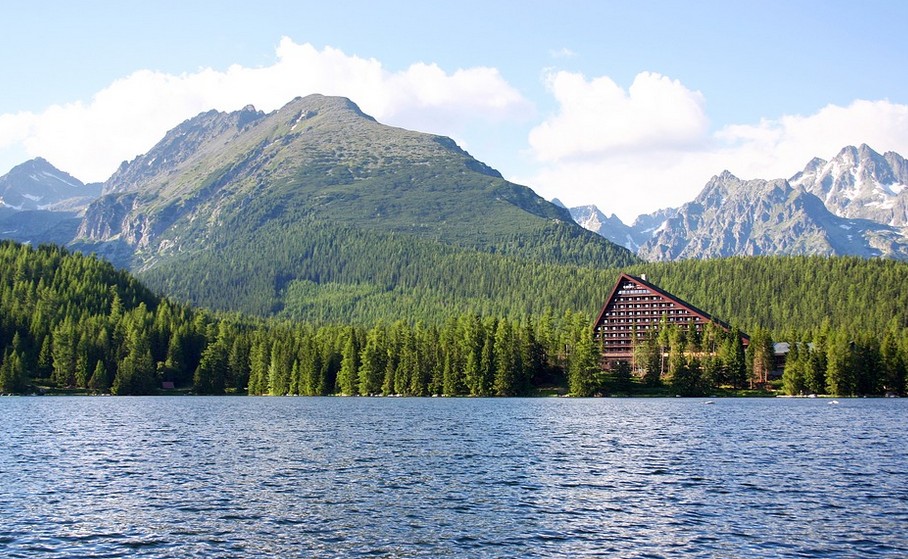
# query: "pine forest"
501,326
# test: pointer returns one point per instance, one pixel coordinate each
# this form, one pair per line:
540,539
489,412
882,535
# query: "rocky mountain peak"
860,183
317,158
37,184
179,145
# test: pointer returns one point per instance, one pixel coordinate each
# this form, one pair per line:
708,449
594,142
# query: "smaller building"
634,309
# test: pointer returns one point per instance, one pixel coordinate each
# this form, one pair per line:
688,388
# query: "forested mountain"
250,211
320,161
71,321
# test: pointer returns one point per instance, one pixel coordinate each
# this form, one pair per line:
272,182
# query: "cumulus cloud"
89,139
780,147
650,147
597,118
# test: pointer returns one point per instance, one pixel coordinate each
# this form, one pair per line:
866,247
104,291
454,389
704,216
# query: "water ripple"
352,477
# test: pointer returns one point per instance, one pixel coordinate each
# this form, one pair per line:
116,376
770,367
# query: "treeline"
839,362
73,321
69,320
295,268
695,363
336,274
791,296
467,355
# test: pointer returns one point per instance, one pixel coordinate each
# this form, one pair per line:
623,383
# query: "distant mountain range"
855,204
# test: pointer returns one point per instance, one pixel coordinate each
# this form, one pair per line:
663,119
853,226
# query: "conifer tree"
259,362
135,372
347,381
507,365
622,377
372,363
64,354
12,372
840,374
99,382
583,366
892,362
211,374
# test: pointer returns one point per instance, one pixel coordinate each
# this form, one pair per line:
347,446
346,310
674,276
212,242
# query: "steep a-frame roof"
706,317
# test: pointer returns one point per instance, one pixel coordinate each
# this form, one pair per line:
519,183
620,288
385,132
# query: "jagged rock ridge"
855,204
860,183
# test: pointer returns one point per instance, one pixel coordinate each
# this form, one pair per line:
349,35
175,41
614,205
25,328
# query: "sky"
631,106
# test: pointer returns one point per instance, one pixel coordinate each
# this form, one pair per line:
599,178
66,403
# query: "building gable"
635,308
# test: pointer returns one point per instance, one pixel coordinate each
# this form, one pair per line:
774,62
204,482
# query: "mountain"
611,227
752,217
38,185
264,206
646,225
41,204
860,183
856,204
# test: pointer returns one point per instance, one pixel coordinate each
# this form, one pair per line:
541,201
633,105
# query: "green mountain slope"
230,211
312,270
318,157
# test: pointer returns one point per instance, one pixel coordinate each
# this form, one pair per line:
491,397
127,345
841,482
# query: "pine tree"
64,354
583,366
737,365
211,374
136,371
760,358
259,361
507,365
12,373
840,374
892,362
238,363
279,368
372,363
794,376
99,382
622,377
347,381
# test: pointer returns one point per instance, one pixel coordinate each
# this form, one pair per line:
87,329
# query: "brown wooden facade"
634,309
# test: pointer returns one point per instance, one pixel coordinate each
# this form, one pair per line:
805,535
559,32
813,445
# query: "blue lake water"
351,477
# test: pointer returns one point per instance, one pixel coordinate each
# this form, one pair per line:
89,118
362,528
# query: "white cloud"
89,139
635,151
781,147
598,118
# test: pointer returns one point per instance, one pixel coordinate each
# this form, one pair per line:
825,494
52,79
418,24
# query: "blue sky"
631,106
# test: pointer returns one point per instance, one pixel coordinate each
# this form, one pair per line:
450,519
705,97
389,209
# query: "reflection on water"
301,477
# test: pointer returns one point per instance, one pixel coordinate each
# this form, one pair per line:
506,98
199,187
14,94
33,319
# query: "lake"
397,477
